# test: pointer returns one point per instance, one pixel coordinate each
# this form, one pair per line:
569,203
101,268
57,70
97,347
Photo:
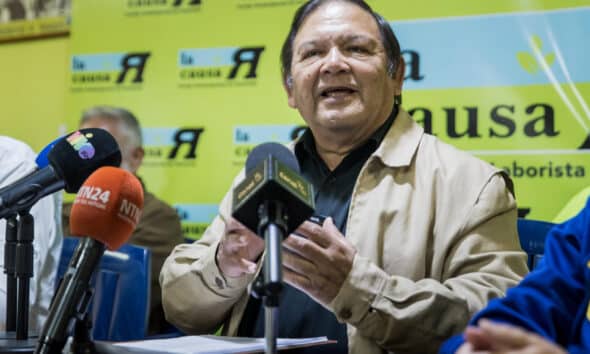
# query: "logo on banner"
413,68
160,7
171,146
502,121
528,61
218,66
254,4
534,115
246,137
108,71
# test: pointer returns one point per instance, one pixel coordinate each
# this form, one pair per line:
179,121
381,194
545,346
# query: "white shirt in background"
16,161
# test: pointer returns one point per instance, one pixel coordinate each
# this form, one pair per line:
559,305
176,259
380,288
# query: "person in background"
16,161
159,228
419,235
549,311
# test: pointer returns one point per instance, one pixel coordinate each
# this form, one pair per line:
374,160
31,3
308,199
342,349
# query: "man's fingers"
477,338
313,232
236,266
234,226
247,266
296,280
298,264
238,249
303,247
504,336
467,348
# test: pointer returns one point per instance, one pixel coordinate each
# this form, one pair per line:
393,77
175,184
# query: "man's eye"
310,53
357,49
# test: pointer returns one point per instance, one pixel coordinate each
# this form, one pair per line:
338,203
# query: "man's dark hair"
390,43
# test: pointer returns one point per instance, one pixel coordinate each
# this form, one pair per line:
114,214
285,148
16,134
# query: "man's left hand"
497,338
317,260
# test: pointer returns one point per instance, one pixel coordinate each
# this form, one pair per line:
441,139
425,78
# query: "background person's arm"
547,302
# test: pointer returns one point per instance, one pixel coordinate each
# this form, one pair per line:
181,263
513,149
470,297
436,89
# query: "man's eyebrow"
344,38
359,37
307,44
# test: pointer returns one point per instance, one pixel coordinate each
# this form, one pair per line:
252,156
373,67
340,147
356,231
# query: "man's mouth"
337,92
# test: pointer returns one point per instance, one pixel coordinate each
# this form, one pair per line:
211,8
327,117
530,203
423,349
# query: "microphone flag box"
273,181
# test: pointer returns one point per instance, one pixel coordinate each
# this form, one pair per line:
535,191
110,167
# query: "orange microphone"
107,207
105,213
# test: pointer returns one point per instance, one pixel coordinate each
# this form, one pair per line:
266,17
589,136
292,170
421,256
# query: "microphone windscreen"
82,152
42,159
108,207
278,151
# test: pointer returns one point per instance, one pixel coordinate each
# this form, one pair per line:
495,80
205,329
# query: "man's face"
131,156
339,71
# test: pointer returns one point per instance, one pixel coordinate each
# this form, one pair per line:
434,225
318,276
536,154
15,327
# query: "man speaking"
418,237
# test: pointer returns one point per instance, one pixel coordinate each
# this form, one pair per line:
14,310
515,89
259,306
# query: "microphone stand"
24,271
272,221
81,341
9,270
71,300
18,259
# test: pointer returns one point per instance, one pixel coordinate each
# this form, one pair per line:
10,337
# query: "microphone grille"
278,151
82,152
107,207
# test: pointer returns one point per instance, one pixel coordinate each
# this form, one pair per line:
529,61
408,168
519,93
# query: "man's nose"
335,62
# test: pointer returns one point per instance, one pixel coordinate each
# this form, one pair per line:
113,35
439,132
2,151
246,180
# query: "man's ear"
399,76
288,86
137,155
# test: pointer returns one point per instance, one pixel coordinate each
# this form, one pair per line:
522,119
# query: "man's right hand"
238,250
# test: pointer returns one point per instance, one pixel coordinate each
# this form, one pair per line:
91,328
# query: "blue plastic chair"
532,234
120,304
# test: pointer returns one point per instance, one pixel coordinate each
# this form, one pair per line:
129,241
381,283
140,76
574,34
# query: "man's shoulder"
15,147
453,158
16,158
459,173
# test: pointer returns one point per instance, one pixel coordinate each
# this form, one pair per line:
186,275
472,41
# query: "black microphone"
71,160
272,177
273,200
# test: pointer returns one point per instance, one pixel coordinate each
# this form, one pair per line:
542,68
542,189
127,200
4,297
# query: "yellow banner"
505,80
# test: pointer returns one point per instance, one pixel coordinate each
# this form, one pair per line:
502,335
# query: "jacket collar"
399,144
401,141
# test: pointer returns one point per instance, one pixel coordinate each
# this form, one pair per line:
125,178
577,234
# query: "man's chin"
338,123
345,115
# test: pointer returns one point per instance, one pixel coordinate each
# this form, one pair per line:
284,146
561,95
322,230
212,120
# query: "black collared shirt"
299,315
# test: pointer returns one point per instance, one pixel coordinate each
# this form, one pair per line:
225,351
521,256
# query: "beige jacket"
435,231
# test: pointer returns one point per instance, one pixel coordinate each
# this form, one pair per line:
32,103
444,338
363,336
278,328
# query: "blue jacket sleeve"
451,345
548,300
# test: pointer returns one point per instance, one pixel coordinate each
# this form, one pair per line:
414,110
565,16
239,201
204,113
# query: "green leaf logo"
528,61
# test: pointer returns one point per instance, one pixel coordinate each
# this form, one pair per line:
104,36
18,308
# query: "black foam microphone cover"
82,152
280,152
72,159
